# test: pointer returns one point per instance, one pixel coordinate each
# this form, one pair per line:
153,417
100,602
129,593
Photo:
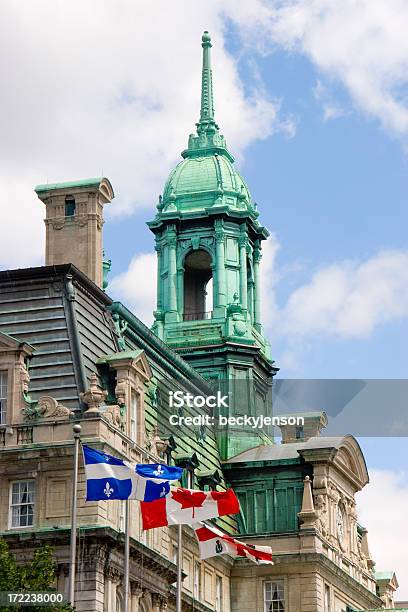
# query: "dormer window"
14,378
70,206
124,375
3,397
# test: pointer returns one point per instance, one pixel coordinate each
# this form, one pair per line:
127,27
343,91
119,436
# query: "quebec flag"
108,477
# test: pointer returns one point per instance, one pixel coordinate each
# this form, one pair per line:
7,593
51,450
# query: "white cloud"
346,300
349,299
331,108
22,231
361,43
109,87
382,509
137,286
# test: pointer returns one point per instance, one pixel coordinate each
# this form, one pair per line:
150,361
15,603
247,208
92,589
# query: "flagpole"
179,566
180,551
126,568
72,554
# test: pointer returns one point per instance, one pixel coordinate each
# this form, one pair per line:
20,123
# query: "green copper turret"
208,244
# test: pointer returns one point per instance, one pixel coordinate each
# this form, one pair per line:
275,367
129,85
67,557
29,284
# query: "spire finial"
208,137
207,100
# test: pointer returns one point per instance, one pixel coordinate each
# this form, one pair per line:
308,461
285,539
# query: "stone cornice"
97,534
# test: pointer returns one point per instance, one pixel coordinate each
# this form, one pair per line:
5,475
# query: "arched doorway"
197,286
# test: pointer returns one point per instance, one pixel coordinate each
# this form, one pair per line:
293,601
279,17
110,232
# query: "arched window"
197,286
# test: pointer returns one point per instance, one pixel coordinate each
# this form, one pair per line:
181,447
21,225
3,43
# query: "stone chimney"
73,221
308,425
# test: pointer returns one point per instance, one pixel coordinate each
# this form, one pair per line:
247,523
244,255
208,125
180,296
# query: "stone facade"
46,458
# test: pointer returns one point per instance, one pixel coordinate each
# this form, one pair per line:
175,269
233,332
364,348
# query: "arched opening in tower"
197,286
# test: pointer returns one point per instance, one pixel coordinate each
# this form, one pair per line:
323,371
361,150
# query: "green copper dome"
206,177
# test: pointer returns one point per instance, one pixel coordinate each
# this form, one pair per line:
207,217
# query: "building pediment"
10,344
350,460
135,360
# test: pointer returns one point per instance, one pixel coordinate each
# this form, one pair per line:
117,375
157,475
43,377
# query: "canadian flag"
214,542
187,506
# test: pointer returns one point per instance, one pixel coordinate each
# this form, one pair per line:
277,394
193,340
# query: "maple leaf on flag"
189,499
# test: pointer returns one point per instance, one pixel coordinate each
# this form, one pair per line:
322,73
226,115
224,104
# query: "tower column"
158,250
172,276
243,277
257,288
180,291
221,290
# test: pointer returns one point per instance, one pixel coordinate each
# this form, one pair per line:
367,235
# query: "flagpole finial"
77,430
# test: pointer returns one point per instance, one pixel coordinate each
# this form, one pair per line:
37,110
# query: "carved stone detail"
156,445
120,391
94,396
25,379
322,515
119,328
112,413
50,408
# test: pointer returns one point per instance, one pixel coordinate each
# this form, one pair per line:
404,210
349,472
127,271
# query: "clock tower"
209,249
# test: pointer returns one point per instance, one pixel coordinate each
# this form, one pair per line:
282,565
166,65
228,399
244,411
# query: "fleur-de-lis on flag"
163,492
108,490
158,471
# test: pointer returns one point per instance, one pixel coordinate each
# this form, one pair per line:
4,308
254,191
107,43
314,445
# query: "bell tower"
209,248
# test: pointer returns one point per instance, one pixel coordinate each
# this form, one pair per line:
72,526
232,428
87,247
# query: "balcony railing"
196,316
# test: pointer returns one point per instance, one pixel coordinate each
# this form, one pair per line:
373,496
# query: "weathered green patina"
89,182
208,240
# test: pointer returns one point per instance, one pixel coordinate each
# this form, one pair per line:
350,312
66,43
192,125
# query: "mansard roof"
70,323
67,320
345,454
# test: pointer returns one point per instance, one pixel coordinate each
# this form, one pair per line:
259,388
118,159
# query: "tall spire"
208,137
207,99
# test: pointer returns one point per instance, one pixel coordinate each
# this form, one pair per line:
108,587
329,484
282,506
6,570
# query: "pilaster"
221,290
172,313
243,276
257,287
